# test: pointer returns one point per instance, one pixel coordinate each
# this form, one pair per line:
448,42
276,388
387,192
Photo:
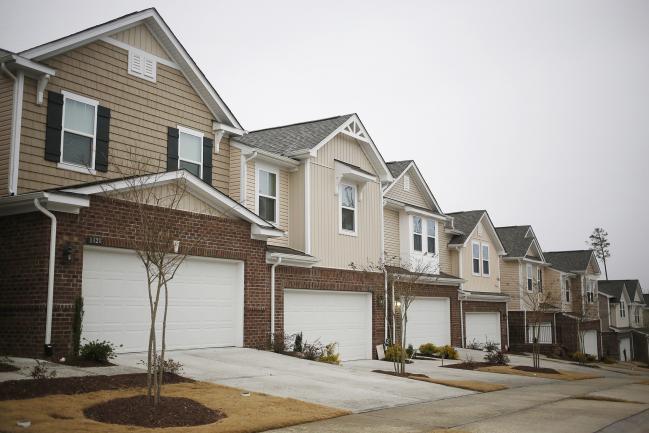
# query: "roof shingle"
464,222
514,240
569,261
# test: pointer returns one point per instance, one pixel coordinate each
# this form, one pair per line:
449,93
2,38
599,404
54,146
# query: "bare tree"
403,279
598,241
538,303
161,244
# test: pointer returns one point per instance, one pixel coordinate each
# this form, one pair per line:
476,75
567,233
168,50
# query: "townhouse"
622,311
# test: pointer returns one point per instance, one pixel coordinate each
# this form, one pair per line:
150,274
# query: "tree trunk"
404,323
605,270
163,343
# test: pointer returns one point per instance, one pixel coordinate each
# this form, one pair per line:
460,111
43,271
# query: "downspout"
461,322
554,328
385,302
525,325
16,125
307,206
50,277
272,298
507,319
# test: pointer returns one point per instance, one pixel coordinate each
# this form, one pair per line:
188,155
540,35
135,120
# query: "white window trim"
275,171
340,210
195,133
482,260
422,234
429,236
529,275
636,315
473,272
622,309
68,165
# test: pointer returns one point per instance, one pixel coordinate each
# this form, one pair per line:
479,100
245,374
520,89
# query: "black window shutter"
208,146
54,125
103,127
172,149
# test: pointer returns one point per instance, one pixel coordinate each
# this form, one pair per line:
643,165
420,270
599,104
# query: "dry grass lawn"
644,382
563,374
258,412
471,385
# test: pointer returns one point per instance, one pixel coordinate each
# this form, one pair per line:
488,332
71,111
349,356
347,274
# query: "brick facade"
24,263
486,307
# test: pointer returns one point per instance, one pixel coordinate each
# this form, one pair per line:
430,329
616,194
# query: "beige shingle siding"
444,253
6,101
235,174
332,248
141,112
510,282
391,240
552,286
481,283
140,37
414,196
296,209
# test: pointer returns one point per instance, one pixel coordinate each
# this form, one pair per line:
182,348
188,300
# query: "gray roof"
286,250
631,287
612,288
465,222
397,167
514,240
286,139
646,298
569,261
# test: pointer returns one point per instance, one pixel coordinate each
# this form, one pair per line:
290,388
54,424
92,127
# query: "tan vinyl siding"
6,101
444,253
235,173
552,286
250,186
415,196
296,209
282,209
336,250
140,37
391,240
510,282
481,283
455,262
141,112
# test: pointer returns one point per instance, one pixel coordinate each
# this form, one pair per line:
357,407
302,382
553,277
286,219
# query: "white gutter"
461,323
272,298
385,303
16,125
50,276
307,206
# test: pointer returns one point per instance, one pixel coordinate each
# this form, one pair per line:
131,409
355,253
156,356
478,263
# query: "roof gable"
614,288
410,167
416,194
518,241
572,261
163,35
140,37
467,222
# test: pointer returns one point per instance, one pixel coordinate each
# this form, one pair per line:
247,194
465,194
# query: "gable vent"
141,65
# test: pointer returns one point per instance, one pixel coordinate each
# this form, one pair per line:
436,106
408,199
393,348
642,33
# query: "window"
567,290
485,260
622,309
475,254
347,209
406,182
416,234
540,278
530,276
431,235
267,195
590,293
78,137
636,315
190,151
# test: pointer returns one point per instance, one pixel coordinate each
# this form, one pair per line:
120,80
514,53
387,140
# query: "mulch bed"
392,373
468,365
536,370
139,411
23,389
6,368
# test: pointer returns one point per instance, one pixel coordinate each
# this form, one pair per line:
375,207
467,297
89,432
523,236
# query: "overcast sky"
536,111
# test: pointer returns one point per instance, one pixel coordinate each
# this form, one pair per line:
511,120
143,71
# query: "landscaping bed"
7,368
24,389
531,372
137,410
471,385
468,365
536,370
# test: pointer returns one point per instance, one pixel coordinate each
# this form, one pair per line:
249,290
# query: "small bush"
474,345
168,365
98,351
77,321
582,358
490,346
312,351
447,352
410,351
497,357
428,349
393,353
330,356
297,345
42,371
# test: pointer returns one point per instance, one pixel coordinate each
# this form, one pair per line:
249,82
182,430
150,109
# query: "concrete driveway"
346,387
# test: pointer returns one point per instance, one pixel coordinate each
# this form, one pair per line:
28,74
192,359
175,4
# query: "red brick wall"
485,307
24,259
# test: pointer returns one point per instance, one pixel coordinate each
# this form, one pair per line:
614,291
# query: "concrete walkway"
542,408
27,364
342,387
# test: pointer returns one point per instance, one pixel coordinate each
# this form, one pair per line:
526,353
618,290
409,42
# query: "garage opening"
205,301
429,321
590,343
482,328
331,316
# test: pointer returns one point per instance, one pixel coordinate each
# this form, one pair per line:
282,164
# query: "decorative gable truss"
355,130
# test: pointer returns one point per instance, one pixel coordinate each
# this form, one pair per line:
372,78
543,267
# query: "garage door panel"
205,302
429,322
482,327
590,342
330,316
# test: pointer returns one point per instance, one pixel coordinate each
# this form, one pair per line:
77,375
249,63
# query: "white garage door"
482,327
329,316
625,345
429,321
590,343
205,301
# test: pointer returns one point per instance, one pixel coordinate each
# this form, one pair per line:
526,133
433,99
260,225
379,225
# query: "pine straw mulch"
470,385
560,375
244,412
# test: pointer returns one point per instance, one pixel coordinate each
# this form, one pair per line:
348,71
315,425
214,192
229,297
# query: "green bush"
98,351
582,358
410,351
297,346
447,352
330,356
496,357
393,353
428,349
